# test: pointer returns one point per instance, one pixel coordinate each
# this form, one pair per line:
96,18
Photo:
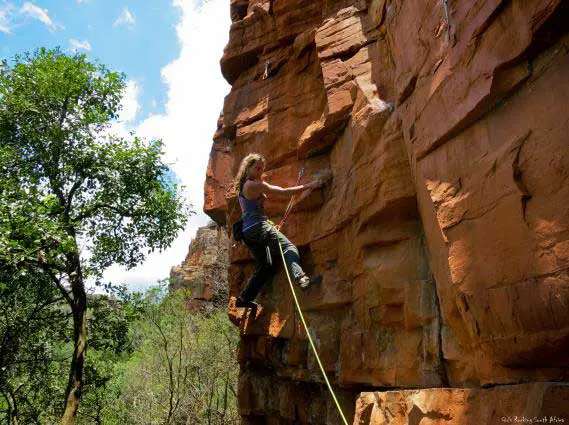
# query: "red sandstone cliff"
204,270
444,236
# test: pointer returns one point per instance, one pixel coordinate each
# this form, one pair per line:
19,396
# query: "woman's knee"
291,253
284,242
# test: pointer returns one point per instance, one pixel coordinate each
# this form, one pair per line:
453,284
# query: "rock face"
204,270
443,237
539,403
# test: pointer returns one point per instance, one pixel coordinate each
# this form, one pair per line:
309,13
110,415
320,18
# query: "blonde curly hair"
246,164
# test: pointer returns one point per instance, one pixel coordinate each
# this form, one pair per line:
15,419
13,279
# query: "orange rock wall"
538,403
443,237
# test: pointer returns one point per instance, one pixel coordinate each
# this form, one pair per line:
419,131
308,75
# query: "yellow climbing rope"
277,228
309,337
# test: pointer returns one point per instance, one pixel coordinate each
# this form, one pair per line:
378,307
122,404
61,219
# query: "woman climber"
259,233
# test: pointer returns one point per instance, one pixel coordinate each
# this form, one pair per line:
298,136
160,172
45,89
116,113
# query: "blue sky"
169,51
135,37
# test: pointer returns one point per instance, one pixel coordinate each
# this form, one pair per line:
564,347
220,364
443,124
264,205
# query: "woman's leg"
264,271
292,257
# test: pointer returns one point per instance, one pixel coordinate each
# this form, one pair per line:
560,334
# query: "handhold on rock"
324,175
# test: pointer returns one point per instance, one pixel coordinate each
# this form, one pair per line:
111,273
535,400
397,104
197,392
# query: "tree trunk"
79,310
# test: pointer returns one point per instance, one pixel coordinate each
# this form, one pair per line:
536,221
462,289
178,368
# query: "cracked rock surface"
443,237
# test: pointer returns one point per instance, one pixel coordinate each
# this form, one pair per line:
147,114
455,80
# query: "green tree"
33,324
186,370
78,198
111,343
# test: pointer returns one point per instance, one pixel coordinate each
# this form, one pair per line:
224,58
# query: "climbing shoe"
305,281
247,304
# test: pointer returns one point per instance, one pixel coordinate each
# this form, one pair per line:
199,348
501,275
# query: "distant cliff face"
204,271
443,238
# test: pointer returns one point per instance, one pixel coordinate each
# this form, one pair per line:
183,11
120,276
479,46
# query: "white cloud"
5,12
129,103
126,18
196,91
130,106
32,11
78,45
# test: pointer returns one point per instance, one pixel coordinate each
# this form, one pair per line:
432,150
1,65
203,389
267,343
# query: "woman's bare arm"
255,188
271,188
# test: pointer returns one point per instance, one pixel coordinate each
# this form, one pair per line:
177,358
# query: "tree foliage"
111,323
186,370
34,325
62,169
173,366
78,199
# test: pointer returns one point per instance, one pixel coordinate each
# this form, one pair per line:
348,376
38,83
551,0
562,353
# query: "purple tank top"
253,210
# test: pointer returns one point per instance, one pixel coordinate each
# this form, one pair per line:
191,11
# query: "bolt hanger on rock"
266,73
